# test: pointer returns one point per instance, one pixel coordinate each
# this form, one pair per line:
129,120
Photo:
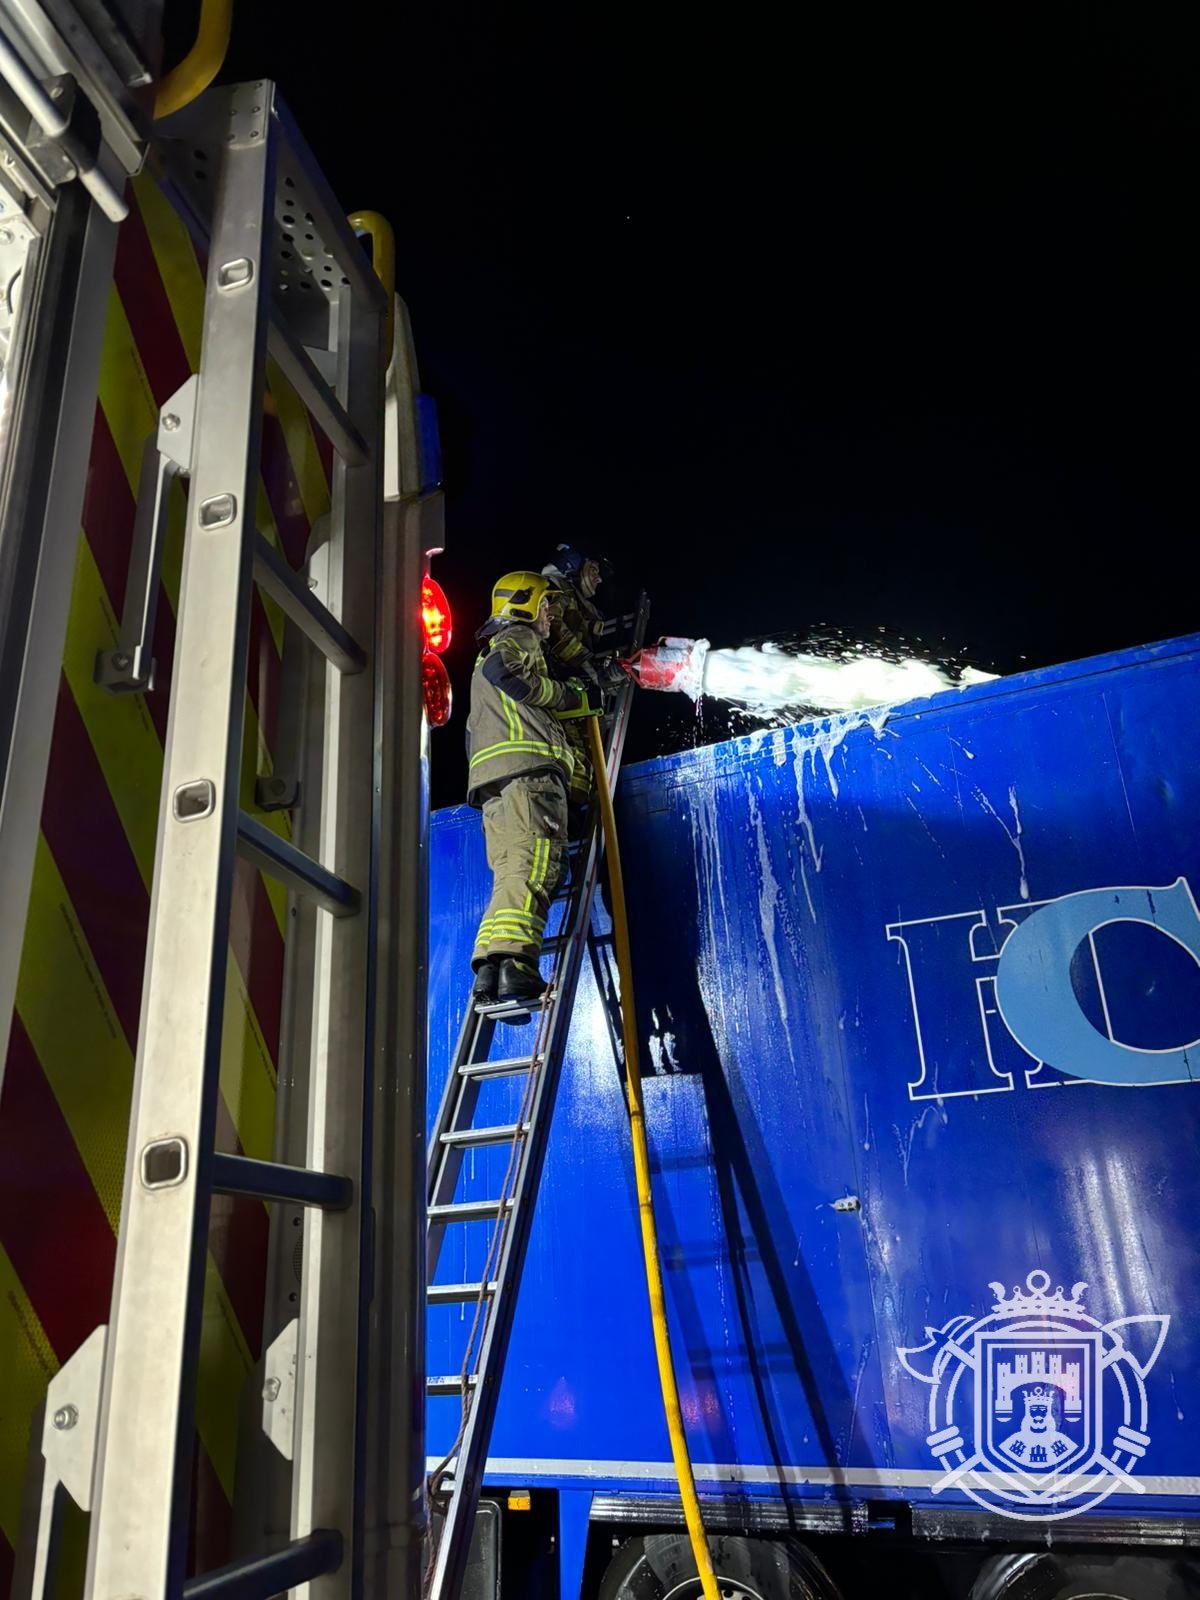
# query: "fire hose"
641,1166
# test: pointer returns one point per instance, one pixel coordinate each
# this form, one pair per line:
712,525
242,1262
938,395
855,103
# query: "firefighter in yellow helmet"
520,769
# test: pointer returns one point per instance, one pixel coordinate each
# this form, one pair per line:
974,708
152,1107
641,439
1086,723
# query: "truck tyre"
1087,1577
659,1566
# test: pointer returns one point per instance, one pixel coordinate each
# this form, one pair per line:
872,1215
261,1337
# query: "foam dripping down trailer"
921,995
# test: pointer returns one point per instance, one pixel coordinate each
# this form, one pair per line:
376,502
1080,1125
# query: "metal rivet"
235,274
271,1389
65,1417
5,236
170,422
120,660
218,511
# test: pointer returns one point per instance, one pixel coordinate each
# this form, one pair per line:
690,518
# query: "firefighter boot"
520,980
483,990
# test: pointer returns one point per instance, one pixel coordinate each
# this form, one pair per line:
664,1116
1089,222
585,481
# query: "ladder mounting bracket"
279,1389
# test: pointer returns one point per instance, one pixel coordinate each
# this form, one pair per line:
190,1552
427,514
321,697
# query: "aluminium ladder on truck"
510,1212
120,1415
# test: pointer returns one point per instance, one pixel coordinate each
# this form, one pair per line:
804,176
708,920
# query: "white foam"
768,898
767,679
823,739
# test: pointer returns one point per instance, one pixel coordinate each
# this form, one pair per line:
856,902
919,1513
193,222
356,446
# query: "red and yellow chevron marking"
65,1107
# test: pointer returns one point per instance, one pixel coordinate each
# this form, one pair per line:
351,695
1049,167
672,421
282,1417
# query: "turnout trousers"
525,833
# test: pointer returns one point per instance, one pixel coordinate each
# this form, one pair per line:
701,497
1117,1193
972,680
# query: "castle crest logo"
1038,1410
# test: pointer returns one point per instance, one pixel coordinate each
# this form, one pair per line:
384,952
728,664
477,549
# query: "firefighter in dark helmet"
521,766
579,644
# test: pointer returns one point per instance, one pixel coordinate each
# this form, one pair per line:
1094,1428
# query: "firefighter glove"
586,702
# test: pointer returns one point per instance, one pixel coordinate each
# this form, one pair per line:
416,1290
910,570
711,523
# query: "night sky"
879,319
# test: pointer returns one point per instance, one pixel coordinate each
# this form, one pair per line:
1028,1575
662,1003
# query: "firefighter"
520,768
577,646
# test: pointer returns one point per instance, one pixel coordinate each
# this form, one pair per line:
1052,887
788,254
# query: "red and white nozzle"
674,666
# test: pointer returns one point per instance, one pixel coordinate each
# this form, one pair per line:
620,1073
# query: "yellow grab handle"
201,64
641,1167
378,229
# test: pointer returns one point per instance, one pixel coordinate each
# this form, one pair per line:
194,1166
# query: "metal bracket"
59,156
68,1448
279,1389
276,793
129,669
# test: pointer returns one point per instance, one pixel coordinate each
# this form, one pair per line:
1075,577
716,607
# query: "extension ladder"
510,1212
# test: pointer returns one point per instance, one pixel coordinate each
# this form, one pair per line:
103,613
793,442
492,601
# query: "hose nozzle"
673,666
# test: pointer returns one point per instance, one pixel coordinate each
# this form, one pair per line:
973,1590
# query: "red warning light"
435,616
435,688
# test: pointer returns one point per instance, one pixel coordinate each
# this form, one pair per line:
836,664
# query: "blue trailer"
920,993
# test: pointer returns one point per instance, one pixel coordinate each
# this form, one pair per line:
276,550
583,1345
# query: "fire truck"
219,496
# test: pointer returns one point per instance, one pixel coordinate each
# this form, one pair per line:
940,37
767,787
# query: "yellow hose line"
201,64
641,1166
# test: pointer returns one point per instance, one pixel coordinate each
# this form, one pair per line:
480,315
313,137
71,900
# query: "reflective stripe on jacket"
511,727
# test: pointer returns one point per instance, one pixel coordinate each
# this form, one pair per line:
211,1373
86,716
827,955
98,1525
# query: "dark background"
874,318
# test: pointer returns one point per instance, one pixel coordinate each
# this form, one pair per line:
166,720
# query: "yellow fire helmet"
518,595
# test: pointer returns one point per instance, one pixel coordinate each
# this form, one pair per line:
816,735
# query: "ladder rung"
449,1385
453,1294
472,1138
293,596
281,860
496,1069
468,1211
513,1008
327,410
270,1180
263,1576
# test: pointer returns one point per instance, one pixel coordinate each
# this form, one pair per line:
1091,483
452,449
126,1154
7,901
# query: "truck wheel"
659,1566
1087,1577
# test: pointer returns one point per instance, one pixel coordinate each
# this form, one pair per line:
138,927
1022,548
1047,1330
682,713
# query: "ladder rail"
474,1035
138,1542
327,1460
483,1383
